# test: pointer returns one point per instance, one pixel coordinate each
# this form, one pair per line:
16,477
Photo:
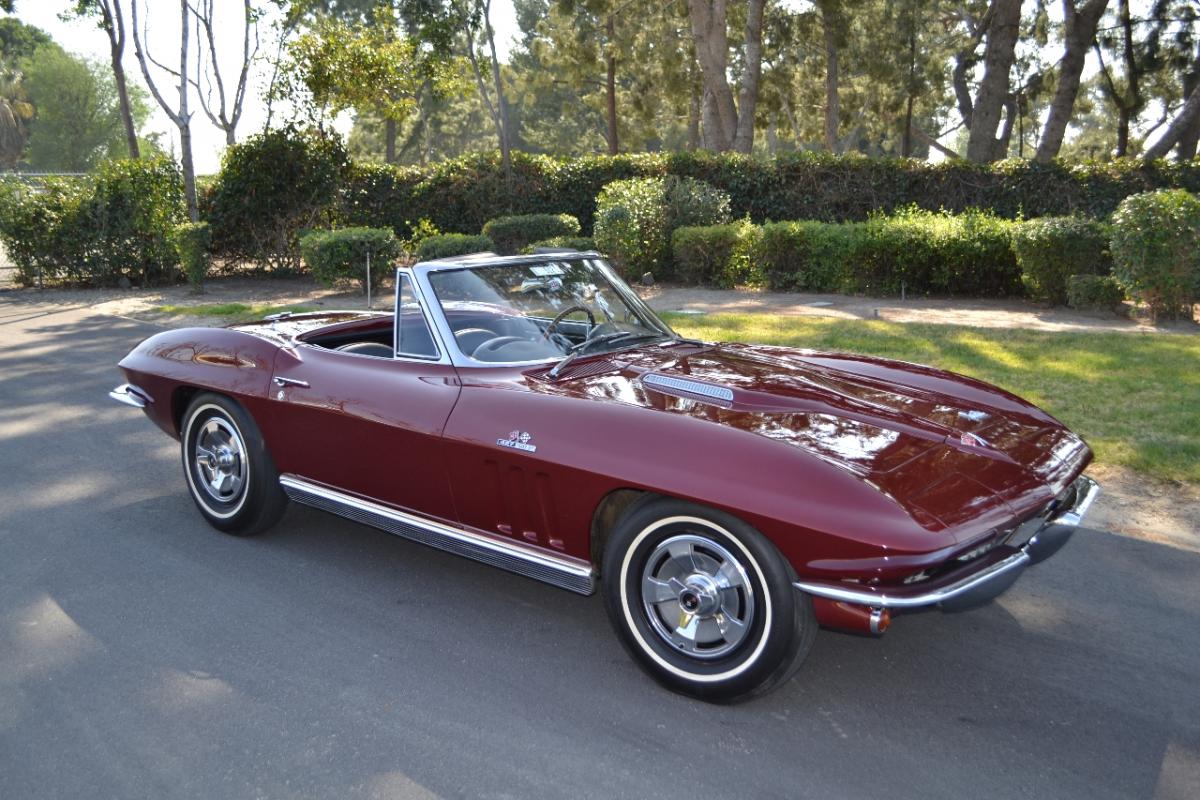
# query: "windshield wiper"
589,344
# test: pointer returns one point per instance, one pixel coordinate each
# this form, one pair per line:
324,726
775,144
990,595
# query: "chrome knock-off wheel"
219,456
231,475
697,596
702,601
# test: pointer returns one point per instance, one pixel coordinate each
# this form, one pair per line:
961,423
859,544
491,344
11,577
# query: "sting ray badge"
518,440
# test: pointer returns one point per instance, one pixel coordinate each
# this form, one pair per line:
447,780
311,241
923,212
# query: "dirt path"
1131,504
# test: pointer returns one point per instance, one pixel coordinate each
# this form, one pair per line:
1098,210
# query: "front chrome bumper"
983,579
131,395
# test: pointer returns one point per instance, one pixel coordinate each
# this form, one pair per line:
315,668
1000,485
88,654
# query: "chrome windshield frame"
421,272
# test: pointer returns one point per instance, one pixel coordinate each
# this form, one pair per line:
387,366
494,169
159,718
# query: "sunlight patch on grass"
237,312
1134,397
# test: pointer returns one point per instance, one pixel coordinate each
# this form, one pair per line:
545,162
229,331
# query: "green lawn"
1134,397
237,312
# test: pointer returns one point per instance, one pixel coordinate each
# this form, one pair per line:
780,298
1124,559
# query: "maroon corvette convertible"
532,413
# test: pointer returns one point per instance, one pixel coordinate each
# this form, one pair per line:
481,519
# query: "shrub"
808,256
418,233
114,224
635,219
41,230
924,252
512,234
447,245
343,253
462,194
271,187
715,255
580,243
1156,249
1094,291
1052,249
134,206
191,240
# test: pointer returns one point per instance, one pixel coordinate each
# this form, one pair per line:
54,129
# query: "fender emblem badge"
971,440
518,440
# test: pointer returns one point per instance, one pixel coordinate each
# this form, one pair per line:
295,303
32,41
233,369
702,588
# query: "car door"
369,425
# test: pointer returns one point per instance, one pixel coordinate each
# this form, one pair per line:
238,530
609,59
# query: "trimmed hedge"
570,242
464,193
914,252
338,254
807,256
923,252
1052,249
1094,291
514,233
114,224
446,245
635,219
1156,250
715,255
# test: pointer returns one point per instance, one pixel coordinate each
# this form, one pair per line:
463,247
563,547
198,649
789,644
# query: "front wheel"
703,602
229,472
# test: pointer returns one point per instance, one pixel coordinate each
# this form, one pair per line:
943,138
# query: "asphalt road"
143,654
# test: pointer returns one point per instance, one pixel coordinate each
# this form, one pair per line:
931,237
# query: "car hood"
951,449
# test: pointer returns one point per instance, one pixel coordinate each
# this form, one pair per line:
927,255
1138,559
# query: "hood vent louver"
694,389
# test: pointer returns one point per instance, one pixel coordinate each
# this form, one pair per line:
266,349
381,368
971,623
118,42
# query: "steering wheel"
488,348
562,315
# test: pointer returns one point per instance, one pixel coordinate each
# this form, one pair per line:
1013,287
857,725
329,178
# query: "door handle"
290,382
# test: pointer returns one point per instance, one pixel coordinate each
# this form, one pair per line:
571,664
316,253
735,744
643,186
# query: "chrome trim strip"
709,390
1086,492
1016,561
547,568
443,356
131,395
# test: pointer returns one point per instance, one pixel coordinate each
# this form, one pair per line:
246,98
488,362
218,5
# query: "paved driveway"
144,655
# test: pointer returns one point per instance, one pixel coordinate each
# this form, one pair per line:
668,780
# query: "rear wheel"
703,602
229,472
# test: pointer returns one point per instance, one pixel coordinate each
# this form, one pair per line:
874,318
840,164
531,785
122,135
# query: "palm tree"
15,111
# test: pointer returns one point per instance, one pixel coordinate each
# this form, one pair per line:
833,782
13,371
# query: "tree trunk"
184,121
1011,114
179,115
113,20
501,103
712,52
998,59
693,128
610,86
389,141
831,83
1129,110
1184,121
743,140
1186,149
906,147
189,172
1079,31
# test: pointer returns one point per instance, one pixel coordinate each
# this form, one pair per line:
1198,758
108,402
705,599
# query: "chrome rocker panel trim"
559,572
991,579
131,395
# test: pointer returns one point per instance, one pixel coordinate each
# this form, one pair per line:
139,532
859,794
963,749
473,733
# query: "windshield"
511,313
